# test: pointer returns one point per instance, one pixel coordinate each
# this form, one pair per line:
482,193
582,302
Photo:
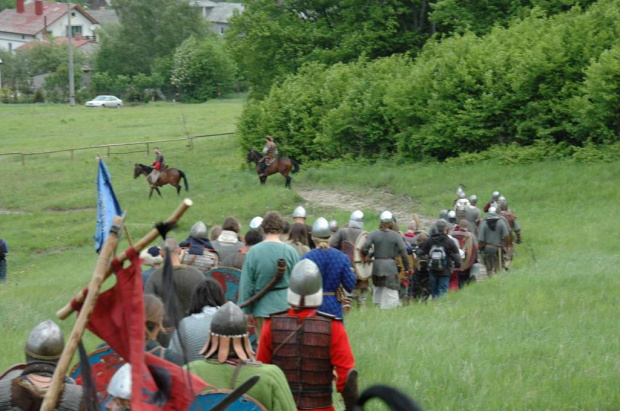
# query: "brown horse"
170,176
282,165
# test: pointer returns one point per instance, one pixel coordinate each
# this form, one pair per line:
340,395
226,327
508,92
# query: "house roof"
105,16
77,43
31,24
222,12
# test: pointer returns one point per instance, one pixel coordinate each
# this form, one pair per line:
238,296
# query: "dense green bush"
552,79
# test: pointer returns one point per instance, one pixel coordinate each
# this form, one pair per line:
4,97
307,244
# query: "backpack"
437,258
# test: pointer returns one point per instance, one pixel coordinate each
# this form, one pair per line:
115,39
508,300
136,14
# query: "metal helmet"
443,215
333,225
305,287
228,328
321,229
199,230
386,217
256,222
357,219
452,216
492,210
462,194
473,199
459,191
120,384
299,212
45,342
503,204
495,195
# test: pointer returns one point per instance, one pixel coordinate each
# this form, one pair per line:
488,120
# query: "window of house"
75,30
221,30
10,47
23,36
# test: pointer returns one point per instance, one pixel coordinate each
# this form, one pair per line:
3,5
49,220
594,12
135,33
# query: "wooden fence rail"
189,139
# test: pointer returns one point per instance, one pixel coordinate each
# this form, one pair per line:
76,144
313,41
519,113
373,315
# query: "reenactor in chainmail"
515,229
493,238
493,202
472,214
23,388
198,251
344,240
302,341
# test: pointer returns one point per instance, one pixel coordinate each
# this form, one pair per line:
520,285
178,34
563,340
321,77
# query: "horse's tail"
295,166
182,174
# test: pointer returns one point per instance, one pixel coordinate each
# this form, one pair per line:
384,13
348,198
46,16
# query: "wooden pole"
147,149
51,396
66,311
23,162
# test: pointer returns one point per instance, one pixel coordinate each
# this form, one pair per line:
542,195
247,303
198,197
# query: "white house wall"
59,27
11,41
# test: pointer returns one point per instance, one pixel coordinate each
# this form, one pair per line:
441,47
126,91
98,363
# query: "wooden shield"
207,399
401,266
466,243
104,363
363,267
229,278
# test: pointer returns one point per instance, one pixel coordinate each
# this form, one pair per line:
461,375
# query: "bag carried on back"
437,258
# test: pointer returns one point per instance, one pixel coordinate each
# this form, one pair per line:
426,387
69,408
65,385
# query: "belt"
330,293
384,258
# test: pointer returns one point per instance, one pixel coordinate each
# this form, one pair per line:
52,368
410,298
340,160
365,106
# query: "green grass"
543,336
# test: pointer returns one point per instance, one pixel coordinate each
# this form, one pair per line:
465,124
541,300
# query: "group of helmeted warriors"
302,351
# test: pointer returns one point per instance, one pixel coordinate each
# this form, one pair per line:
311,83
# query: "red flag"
118,319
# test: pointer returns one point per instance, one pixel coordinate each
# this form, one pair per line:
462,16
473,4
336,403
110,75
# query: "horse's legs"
158,192
263,179
151,192
288,182
178,187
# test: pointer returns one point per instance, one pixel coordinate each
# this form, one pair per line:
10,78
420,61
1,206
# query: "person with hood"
493,236
197,250
443,255
228,241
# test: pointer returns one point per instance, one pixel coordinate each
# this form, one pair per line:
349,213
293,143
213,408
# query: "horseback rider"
159,166
270,151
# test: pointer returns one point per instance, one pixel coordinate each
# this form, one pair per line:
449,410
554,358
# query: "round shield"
362,266
104,362
209,398
228,277
466,243
401,266
13,372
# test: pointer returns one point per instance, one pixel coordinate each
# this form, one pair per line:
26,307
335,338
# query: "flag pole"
51,396
66,311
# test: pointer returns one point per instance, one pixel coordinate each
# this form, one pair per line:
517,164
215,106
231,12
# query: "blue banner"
107,206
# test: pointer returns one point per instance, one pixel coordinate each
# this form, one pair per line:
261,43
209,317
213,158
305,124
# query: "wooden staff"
51,396
66,311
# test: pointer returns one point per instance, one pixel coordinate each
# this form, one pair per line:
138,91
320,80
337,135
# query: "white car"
105,101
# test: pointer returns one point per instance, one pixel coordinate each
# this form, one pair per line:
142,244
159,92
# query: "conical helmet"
45,342
452,216
357,219
321,229
495,195
120,384
256,222
473,199
199,230
228,328
333,225
459,191
299,212
386,217
305,287
443,215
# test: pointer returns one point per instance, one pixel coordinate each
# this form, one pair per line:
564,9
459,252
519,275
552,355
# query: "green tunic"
258,269
272,390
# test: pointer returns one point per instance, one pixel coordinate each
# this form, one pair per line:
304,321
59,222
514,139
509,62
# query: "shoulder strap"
235,375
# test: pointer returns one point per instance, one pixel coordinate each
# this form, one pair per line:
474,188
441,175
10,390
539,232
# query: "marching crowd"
296,283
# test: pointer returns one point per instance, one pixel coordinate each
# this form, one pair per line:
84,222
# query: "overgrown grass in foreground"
542,336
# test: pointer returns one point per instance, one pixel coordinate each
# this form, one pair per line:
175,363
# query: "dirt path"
400,205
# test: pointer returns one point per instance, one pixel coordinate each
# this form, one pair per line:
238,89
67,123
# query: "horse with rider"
269,163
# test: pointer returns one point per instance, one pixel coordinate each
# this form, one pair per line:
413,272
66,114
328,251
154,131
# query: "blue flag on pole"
107,206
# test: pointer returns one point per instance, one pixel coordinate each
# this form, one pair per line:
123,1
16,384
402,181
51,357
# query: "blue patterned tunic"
335,269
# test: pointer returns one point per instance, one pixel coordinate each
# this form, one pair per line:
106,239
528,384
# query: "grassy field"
543,336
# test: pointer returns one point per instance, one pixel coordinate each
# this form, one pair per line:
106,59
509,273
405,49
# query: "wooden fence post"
71,155
23,162
108,151
147,149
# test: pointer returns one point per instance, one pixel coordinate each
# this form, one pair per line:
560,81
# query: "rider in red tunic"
309,367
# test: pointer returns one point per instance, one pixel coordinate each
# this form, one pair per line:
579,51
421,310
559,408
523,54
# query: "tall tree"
149,29
273,39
